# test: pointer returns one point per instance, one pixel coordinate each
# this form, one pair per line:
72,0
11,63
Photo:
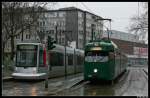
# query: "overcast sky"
119,12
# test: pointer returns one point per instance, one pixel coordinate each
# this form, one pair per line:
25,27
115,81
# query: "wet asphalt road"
132,83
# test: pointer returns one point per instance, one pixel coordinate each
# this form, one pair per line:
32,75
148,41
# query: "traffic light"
51,43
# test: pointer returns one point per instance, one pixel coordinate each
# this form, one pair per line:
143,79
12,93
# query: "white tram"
30,61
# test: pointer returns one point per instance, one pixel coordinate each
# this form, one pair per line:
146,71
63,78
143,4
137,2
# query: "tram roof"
57,45
29,43
104,44
68,49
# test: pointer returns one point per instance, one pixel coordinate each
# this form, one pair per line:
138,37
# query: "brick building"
135,57
128,46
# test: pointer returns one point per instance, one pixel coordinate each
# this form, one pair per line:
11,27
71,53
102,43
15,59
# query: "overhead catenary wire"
88,9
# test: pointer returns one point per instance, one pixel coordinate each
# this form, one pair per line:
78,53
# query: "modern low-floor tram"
30,63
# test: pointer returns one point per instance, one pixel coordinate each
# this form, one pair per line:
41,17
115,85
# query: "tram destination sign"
32,47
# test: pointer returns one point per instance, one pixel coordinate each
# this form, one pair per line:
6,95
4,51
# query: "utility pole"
56,33
22,36
66,40
110,24
50,46
92,31
65,55
84,29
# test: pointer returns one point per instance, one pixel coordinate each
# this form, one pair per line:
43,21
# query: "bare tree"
139,23
18,18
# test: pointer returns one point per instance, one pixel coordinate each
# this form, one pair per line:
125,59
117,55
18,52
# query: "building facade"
136,51
75,23
122,36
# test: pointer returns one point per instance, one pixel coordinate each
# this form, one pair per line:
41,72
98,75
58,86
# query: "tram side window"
56,59
82,60
41,58
70,59
79,60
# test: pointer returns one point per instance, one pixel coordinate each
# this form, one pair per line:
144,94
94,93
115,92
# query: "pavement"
7,78
55,87
146,70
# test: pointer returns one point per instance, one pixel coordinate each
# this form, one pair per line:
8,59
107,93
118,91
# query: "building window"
43,23
52,31
63,23
47,32
18,37
27,36
63,40
40,23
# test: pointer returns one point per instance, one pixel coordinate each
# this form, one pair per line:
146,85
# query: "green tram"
103,60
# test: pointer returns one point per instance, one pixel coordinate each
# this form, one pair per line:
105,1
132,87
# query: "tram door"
42,68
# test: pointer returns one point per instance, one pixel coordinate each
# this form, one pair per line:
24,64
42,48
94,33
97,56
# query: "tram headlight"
95,70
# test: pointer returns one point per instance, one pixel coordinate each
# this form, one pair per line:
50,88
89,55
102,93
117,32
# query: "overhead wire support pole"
65,55
110,28
56,36
110,24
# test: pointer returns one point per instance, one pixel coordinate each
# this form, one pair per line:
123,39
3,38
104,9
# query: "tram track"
145,74
83,83
132,78
122,83
123,86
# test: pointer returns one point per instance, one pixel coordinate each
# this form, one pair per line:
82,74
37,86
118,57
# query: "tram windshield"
26,55
96,56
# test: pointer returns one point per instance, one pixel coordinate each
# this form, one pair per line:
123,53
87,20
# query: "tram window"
70,59
96,56
96,53
26,56
56,59
79,60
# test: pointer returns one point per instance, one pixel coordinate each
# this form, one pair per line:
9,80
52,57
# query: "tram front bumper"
28,76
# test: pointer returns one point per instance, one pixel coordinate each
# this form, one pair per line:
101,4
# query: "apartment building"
75,23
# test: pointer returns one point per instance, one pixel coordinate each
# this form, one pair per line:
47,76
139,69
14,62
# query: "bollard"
46,83
46,80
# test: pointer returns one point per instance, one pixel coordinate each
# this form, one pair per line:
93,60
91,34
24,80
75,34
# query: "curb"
7,78
145,71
